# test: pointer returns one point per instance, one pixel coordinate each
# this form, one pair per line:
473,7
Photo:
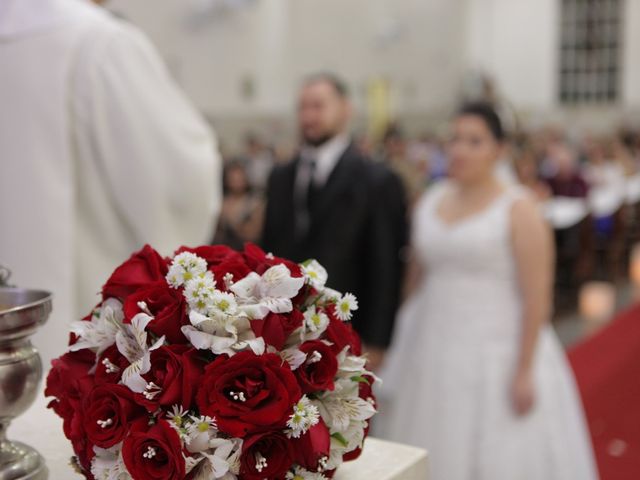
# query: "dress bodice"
477,246
469,264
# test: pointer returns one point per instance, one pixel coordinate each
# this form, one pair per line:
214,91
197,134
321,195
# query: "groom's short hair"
337,83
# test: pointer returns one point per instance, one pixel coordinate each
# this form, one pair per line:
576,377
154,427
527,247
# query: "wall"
516,43
272,44
242,68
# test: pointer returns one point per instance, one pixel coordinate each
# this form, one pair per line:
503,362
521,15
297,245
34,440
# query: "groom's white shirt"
99,153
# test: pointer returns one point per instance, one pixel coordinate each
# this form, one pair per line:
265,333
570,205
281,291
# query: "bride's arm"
414,274
533,250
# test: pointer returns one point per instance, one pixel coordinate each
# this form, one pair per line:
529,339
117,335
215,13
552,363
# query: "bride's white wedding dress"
454,353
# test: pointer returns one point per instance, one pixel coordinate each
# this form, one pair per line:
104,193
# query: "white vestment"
99,153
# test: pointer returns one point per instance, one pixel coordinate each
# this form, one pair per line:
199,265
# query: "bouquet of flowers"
214,364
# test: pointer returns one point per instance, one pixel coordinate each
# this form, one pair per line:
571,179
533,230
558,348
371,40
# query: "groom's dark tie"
307,197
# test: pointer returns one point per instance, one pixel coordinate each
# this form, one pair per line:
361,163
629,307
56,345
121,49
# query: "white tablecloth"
380,460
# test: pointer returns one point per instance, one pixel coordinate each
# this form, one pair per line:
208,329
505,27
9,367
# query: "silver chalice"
22,312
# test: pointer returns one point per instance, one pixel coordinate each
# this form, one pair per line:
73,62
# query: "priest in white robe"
100,153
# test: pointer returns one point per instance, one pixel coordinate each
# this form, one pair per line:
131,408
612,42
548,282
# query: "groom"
333,204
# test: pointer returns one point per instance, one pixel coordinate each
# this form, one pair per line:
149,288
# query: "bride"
478,376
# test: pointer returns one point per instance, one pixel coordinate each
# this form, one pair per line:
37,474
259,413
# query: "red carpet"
607,368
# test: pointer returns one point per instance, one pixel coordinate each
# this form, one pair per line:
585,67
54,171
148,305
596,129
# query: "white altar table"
380,460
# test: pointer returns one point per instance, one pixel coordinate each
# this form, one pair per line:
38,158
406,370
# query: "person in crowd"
259,162
101,153
333,204
242,211
478,376
395,155
606,172
527,170
564,176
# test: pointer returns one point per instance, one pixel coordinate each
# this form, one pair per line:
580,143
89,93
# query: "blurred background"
563,74
107,154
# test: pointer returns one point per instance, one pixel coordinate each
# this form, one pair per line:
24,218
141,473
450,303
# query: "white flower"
315,323
200,291
222,334
108,464
224,303
329,295
178,418
199,432
221,461
346,306
272,292
305,415
131,341
100,333
345,442
293,356
185,266
343,406
314,274
300,473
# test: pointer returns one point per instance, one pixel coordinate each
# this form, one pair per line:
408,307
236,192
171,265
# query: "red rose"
221,260
236,267
176,371
342,334
275,328
319,370
260,262
109,410
266,455
110,366
213,254
166,304
142,268
312,446
248,393
83,450
154,452
68,381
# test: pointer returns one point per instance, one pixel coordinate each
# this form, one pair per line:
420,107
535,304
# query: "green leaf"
361,379
340,438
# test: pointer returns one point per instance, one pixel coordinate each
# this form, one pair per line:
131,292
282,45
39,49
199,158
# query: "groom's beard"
318,141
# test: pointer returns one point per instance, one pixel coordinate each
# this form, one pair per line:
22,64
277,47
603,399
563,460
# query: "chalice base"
21,462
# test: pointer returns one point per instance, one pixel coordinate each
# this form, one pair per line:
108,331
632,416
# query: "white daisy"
300,473
224,302
200,292
200,432
185,266
346,306
314,274
178,416
305,415
315,322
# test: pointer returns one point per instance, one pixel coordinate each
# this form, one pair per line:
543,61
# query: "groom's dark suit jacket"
357,232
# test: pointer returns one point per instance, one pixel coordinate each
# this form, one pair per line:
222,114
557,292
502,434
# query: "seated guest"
527,170
607,176
566,180
242,211
259,162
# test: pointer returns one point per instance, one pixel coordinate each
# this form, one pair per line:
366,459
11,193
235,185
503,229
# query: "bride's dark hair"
487,114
